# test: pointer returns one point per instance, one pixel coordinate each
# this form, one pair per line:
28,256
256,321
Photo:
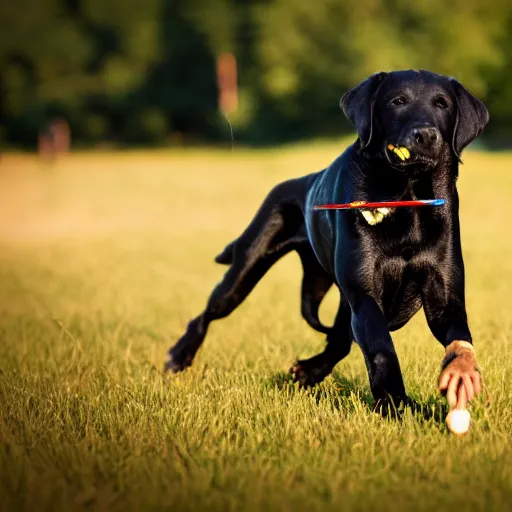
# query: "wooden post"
227,82
54,140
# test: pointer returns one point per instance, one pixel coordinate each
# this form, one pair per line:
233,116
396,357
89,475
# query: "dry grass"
103,260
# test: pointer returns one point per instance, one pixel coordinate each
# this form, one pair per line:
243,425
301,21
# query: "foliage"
108,66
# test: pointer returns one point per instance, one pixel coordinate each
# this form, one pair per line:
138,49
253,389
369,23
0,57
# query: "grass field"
103,260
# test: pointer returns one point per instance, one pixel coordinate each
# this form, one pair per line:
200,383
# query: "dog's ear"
472,117
358,103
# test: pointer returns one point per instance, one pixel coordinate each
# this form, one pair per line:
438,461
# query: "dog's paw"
309,372
175,364
392,407
460,378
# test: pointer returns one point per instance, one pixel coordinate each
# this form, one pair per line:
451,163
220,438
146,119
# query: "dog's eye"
441,102
398,101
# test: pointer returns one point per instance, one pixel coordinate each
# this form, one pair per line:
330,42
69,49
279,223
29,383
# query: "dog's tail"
310,314
315,285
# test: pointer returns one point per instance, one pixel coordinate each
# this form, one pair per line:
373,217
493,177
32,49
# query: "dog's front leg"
371,333
443,301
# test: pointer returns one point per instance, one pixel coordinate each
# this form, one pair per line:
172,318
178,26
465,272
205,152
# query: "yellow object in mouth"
375,216
402,152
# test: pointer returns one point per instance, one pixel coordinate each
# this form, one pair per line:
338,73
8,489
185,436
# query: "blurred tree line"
143,71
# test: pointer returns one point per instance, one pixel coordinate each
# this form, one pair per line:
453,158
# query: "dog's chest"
395,284
394,256
397,232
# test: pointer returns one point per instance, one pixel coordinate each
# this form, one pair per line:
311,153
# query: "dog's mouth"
401,157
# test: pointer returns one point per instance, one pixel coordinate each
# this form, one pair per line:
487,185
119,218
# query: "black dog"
386,264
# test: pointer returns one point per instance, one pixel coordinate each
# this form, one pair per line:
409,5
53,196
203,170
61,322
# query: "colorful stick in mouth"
381,204
402,152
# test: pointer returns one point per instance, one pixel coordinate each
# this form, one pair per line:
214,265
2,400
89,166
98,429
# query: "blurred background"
147,72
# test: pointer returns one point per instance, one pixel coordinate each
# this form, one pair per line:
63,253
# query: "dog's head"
425,113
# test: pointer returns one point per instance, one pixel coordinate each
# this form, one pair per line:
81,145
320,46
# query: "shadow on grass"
433,410
343,387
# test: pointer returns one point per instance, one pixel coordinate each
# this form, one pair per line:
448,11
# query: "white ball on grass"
458,421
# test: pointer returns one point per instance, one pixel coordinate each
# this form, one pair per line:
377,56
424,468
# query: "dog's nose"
426,136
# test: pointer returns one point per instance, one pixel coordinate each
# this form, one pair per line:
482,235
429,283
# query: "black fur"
385,272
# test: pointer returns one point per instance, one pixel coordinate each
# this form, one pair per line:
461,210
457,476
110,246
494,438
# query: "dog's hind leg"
290,196
315,284
309,372
250,261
